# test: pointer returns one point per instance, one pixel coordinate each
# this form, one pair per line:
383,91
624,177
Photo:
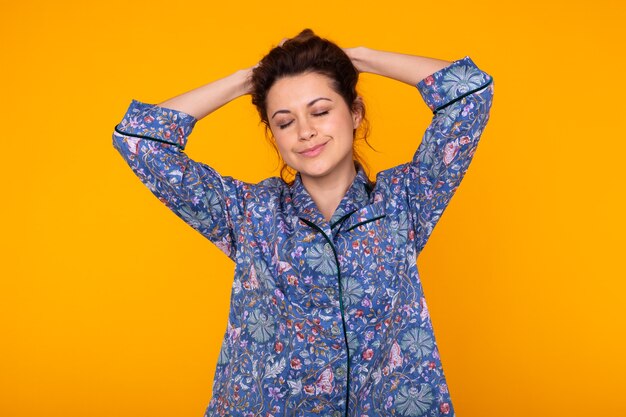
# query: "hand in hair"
353,54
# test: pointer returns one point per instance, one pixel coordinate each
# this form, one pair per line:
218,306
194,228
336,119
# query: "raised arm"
460,96
409,69
151,139
204,100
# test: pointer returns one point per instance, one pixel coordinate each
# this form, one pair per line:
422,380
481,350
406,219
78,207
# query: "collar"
355,198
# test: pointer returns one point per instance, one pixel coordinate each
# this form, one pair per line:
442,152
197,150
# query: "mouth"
313,151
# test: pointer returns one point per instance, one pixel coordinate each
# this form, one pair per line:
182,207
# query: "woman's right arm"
204,100
152,137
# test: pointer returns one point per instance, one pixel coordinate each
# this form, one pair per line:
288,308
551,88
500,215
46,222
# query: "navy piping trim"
365,221
341,308
148,137
464,95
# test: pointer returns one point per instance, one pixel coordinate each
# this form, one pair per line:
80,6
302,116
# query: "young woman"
327,314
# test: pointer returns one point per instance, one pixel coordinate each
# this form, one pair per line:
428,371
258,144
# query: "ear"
357,112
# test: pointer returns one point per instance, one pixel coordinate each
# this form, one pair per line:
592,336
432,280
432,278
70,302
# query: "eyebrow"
308,105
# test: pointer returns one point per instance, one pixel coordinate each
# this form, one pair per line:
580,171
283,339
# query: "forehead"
299,90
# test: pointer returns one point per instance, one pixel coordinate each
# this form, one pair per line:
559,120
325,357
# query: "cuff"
161,124
462,77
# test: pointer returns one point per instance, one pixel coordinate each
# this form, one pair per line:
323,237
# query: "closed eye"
285,125
320,114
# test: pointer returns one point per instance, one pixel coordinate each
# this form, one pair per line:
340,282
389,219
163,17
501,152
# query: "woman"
327,314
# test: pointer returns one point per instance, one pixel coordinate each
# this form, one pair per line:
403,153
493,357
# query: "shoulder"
262,191
391,183
392,176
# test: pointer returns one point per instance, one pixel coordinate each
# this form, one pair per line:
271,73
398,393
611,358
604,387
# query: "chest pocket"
363,216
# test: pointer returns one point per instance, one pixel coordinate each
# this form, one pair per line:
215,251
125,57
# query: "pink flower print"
295,363
148,119
444,408
395,356
465,140
429,80
133,144
292,280
450,151
309,389
278,346
367,354
254,283
324,384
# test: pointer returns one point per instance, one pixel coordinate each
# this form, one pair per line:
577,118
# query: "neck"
327,191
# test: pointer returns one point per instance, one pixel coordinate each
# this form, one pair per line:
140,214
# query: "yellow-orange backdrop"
112,306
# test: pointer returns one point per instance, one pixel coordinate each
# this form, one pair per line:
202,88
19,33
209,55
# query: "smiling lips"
314,151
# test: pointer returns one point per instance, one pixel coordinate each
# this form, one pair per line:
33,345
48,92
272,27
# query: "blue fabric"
326,318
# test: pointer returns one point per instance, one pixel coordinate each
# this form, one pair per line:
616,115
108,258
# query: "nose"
306,131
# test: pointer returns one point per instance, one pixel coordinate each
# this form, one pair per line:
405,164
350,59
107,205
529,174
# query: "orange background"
112,306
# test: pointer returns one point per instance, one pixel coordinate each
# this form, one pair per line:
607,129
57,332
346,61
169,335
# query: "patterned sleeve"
460,96
151,139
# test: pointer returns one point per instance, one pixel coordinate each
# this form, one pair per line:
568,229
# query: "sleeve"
460,96
152,139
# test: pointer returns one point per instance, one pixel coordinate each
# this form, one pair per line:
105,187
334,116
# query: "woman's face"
312,125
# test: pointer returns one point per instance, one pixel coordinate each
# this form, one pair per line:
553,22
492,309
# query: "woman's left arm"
460,96
409,69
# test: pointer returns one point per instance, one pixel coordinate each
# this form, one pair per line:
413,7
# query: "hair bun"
306,34
303,36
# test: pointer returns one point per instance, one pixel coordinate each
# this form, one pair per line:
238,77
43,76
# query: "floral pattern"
327,318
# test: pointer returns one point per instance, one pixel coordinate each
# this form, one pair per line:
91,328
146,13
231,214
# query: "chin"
315,173
314,168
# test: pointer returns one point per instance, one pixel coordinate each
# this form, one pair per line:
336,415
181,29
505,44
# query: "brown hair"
305,53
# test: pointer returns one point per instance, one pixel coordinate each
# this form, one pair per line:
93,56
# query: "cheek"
282,145
342,123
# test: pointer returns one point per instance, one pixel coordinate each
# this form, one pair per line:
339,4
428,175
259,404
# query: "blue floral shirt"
327,318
